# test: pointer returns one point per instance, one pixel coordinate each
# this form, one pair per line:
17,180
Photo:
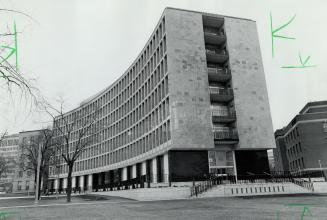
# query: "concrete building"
301,145
8,151
194,101
18,179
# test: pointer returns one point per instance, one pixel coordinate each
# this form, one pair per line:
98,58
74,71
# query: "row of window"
294,134
297,164
146,143
133,106
4,149
294,150
148,123
19,185
8,142
132,80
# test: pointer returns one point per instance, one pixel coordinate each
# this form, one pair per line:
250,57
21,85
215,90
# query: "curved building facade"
181,110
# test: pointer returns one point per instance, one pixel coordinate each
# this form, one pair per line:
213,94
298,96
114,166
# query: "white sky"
76,48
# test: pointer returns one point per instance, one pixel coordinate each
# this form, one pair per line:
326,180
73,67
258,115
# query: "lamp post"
322,174
38,176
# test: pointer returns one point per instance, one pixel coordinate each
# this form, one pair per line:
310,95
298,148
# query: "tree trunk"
40,181
69,181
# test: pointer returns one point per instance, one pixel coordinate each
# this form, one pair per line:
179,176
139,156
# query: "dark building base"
251,161
188,165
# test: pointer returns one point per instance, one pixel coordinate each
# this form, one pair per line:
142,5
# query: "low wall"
150,194
320,187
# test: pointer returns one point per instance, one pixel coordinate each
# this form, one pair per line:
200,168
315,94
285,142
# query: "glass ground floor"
173,166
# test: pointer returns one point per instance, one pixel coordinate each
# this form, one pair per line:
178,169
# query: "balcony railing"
223,113
230,134
221,91
213,31
216,51
213,70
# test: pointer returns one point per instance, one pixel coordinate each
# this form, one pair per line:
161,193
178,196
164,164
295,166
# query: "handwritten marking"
303,63
13,50
274,32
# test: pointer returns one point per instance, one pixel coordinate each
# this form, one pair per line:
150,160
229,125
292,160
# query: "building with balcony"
301,145
194,101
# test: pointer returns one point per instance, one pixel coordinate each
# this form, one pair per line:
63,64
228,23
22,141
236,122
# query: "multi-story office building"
8,151
19,178
301,145
194,101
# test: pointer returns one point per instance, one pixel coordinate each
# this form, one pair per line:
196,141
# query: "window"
19,185
20,174
325,126
27,185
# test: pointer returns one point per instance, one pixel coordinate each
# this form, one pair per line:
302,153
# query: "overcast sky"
76,48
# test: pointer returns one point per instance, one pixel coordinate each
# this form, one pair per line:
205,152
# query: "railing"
223,113
213,31
216,51
211,181
221,91
303,183
218,70
226,134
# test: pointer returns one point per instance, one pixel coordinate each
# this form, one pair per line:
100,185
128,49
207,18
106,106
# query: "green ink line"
306,60
279,36
275,35
272,36
296,204
285,25
300,58
303,64
12,49
16,47
303,212
296,67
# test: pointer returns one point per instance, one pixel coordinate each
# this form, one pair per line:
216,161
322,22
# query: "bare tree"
73,127
10,75
2,136
4,166
29,155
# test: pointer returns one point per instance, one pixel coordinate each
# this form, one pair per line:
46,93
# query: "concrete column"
143,170
154,170
65,183
124,174
81,183
73,182
166,168
89,182
56,184
235,170
41,187
134,175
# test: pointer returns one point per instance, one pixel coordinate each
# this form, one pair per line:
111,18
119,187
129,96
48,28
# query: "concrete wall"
151,194
254,122
188,81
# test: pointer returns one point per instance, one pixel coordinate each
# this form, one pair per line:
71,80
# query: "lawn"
288,208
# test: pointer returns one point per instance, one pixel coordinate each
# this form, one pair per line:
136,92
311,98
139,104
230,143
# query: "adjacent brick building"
302,144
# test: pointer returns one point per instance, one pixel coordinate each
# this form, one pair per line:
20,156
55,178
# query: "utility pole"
322,173
38,176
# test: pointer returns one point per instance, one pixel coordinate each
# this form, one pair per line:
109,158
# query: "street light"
322,174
